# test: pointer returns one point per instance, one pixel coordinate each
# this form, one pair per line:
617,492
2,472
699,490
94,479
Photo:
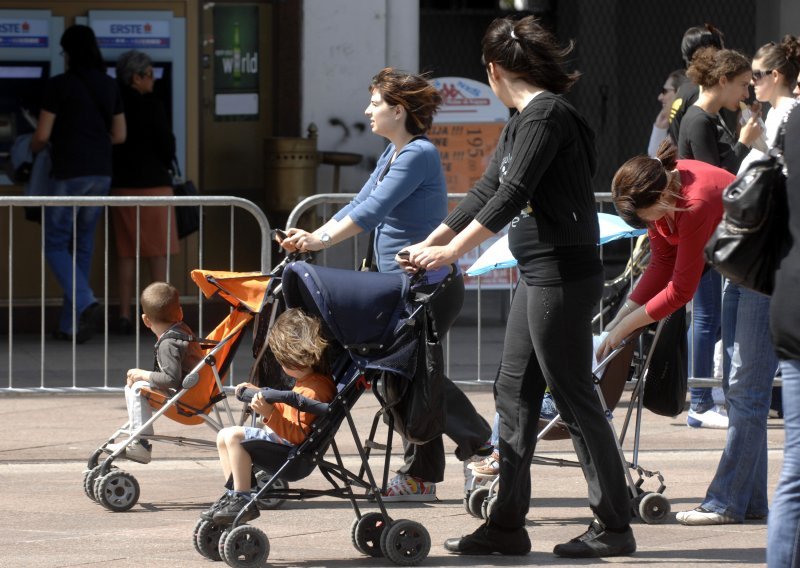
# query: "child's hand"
261,406
242,386
135,375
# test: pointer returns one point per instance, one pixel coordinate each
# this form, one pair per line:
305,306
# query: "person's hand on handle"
290,243
433,257
403,258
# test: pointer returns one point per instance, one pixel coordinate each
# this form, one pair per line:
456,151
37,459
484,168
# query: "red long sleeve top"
676,252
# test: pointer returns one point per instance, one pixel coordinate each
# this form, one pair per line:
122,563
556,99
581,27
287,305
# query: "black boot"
491,539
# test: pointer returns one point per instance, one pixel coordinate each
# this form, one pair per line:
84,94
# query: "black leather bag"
187,217
751,240
668,372
418,407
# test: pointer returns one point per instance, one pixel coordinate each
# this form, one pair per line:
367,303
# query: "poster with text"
236,77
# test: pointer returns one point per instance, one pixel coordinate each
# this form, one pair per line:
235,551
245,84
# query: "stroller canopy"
367,312
240,289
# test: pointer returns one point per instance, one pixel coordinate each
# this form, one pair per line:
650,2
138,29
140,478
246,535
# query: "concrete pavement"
47,521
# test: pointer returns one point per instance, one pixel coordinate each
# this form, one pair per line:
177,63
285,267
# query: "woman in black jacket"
539,180
142,168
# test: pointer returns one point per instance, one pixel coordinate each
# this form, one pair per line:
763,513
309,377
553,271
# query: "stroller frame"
374,533
652,507
118,490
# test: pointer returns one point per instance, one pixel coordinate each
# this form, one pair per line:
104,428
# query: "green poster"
236,60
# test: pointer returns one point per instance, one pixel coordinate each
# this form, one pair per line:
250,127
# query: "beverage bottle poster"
236,78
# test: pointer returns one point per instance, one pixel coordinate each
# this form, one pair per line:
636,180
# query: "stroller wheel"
487,506
246,546
206,539
406,543
475,501
117,491
366,534
89,477
280,485
653,508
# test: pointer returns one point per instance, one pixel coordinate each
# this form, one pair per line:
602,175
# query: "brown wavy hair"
643,181
412,92
526,48
296,340
710,64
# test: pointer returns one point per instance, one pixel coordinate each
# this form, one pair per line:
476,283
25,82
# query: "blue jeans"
783,543
739,487
58,243
703,335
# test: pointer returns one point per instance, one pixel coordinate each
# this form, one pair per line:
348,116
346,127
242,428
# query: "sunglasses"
758,75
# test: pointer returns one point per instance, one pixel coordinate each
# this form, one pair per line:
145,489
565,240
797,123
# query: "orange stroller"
202,392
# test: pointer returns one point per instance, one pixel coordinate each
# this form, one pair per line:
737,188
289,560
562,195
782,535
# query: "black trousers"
548,343
468,429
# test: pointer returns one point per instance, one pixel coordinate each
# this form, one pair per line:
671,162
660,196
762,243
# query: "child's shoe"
138,452
406,488
490,467
227,513
208,514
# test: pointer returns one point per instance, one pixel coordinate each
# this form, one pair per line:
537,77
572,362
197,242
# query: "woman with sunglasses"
738,491
680,203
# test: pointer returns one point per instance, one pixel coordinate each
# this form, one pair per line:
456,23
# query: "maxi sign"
129,34
24,32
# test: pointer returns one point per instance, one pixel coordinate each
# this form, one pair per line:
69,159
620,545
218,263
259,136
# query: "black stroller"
375,320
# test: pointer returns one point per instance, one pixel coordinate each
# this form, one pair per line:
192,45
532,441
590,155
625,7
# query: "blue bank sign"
24,32
128,34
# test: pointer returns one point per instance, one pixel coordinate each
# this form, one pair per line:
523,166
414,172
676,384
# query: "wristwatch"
325,239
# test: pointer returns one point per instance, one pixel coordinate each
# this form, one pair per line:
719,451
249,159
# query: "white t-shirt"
775,116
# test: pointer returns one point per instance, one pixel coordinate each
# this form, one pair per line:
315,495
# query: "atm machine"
160,35
29,54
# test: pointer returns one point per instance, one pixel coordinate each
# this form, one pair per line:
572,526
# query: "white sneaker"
715,417
134,452
700,516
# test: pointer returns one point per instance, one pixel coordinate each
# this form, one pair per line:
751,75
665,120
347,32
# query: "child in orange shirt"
296,341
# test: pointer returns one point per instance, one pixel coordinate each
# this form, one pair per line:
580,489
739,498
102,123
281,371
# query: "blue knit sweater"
406,205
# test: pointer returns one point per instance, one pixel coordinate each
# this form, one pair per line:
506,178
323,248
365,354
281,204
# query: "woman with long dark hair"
81,118
539,180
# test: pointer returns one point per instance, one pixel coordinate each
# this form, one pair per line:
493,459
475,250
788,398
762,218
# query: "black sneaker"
227,513
208,514
491,539
598,543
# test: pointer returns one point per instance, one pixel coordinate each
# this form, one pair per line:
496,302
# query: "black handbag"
751,240
187,217
667,376
418,407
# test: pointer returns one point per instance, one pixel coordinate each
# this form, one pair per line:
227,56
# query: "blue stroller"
374,321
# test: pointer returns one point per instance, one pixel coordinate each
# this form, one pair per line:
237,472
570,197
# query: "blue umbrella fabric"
498,256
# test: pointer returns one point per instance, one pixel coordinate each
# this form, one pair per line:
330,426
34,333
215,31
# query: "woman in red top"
680,202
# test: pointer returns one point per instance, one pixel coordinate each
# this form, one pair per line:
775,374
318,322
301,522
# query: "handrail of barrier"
175,201
265,260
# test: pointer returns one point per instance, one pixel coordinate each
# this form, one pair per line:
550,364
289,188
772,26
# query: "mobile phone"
279,235
404,254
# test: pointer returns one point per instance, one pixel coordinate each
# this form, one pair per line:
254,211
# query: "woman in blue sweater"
403,200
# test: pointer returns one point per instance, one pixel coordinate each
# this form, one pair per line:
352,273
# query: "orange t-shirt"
290,423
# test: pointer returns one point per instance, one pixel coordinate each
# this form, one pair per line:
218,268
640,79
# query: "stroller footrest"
373,445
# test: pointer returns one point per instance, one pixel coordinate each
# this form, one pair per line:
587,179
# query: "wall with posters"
466,131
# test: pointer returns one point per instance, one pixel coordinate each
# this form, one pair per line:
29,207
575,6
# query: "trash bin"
290,170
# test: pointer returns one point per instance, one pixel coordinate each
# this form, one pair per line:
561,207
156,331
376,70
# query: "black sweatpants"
468,429
548,343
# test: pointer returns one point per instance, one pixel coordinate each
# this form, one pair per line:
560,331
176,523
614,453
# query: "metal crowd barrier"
80,361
